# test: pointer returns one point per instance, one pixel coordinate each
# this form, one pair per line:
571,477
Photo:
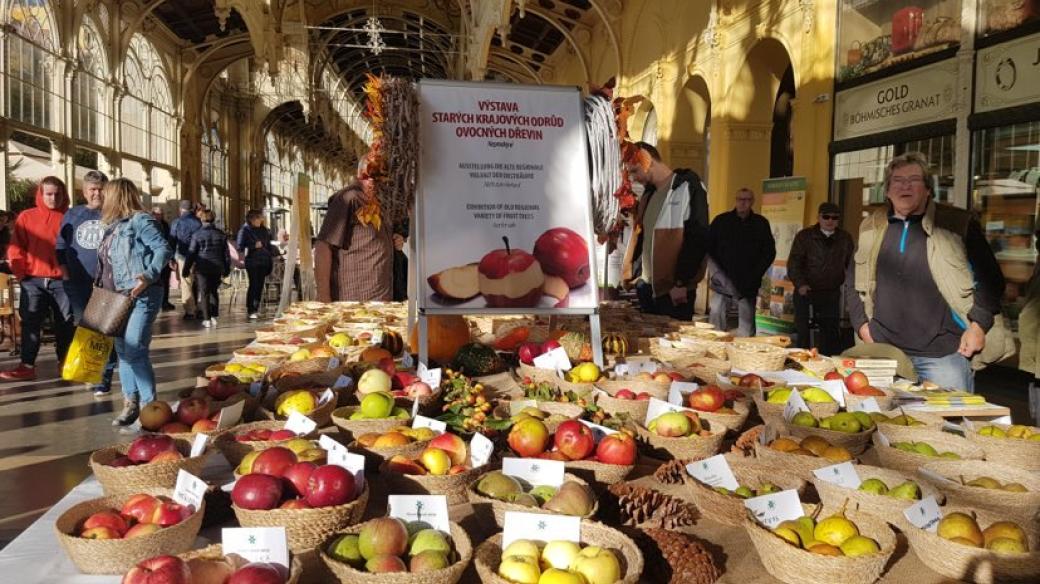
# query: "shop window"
1006,180
877,34
1000,15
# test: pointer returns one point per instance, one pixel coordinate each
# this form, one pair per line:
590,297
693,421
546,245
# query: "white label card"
189,489
924,514
688,343
714,472
256,544
435,425
883,440
794,404
432,509
843,475
230,415
638,365
836,388
333,363
553,359
377,338
775,508
407,362
517,405
536,471
198,445
326,396
540,527
480,450
658,407
300,424
664,342
868,405
415,409
1004,420
343,382
678,391
598,432
431,377
767,435
621,369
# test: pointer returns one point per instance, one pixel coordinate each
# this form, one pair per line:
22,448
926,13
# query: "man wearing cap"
816,265
180,233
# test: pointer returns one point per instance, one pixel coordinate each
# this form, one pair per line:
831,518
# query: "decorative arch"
149,128
764,66
90,111
32,47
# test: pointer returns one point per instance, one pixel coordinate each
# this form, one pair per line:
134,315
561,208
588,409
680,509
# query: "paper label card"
536,471
794,404
714,472
540,527
658,407
598,432
432,509
343,382
924,514
775,508
621,369
415,408
678,391
480,450
333,363
300,424
198,445
377,338
663,342
431,377
553,359
340,456
843,475
640,364
407,361
1003,420
255,387
518,405
189,489
883,440
230,415
868,405
256,544
326,396
435,425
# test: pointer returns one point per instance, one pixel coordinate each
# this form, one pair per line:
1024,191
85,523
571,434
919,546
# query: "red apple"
388,366
453,445
528,437
100,532
144,448
457,469
140,507
527,352
274,461
204,571
221,389
554,455
707,399
856,380
832,375
166,456
169,513
385,564
159,570
402,379
752,380
295,504
625,394
550,345
643,396
297,476
418,389
141,529
617,448
330,485
109,520
510,278
565,254
154,415
675,375
121,461
282,434
574,440
191,410
257,491
733,395
258,573
204,426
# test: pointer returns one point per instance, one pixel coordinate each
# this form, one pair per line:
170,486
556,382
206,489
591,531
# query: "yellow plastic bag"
87,357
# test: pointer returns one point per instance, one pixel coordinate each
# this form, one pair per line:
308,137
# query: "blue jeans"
135,366
40,295
953,370
79,294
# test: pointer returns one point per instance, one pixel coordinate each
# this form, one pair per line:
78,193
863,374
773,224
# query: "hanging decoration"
372,171
388,172
611,153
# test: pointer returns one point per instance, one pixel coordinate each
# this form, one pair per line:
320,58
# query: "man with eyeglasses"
816,266
925,280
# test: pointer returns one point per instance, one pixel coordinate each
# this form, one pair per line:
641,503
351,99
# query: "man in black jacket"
210,257
741,245
816,265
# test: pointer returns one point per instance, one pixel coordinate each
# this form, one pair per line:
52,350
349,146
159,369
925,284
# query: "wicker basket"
116,556
429,405
930,421
654,388
487,508
729,509
565,409
234,451
117,480
219,370
374,457
818,367
672,354
799,465
489,554
579,389
355,428
773,414
635,408
731,422
887,508
536,374
1005,503
453,573
215,552
451,486
306,528
322,415
688,447
795,565
856,442
971,564
749,356
885,402
909,462
313,380
707,369
1024,454
598,473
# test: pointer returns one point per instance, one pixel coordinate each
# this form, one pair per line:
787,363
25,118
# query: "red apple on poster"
297,476
574,440
330,485
510,278
257,491
144,448
140,507
565,254
159,570
274,461
707,399
257,573
107,519
527,352
191,410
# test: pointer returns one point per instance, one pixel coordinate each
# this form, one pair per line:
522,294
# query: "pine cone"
676,558
672,472
745,444
639,506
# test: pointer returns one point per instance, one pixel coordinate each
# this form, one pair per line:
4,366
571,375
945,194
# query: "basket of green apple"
444,467
906,449
376,414
915,421
882,492
726,506
495,492
1014,445
850,547
386,550
770,403
681,435
850,430
990,487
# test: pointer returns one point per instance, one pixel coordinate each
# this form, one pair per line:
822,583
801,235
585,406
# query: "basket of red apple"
444,468
296,450
209,565
495,493
378,447
858,390
680,434
989,487
603,556
606,460
622,401
753,480
727,409
386,550
110,534
654,384
963,548
237,442
186,418
316,404
150,461
1014,445
309,500
377,413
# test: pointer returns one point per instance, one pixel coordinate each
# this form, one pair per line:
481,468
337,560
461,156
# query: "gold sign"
1006,74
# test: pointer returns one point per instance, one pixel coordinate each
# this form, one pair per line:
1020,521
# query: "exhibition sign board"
1006,74
783,204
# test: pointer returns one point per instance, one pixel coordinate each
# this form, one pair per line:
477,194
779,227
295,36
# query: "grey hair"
95,177
906,159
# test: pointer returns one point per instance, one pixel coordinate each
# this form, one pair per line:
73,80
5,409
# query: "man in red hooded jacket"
34,261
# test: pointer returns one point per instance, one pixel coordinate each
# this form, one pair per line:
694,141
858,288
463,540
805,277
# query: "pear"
743,492
525,499
766,488
723,491
1015,488
994,431
543,493
874,486
1005,530
845,422
498,485
1018,431
859,545
904,446
961,526
783,444
787,534
984,483
865,421
950,456
925,449
815,444
837,454
908,491
1007,546
802,527
878,417
900,420
572,499
826,423
836,529
804,419
779,395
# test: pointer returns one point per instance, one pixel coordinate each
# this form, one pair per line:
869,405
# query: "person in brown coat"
353,252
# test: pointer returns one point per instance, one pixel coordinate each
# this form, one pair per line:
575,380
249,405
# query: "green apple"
377,405
874,486
805,419
845,422
598,565
428,539
907,491
345,549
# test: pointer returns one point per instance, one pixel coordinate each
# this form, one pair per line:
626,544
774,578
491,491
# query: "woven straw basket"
377,456
215,552
748,356
909,462
579,389
819,367
930,421
322,415
1024,454
729,509
731,422
453,573
887,508
799,465
707,369
355,428
688,447
306,528
654,388
1006,503
219,369
565,409
234,451
489,553
971,564
536,374
317,379
795,565
885,402
855,443
451,486
635,408
773,414
142,477
116,556
672,354
598,473
487,508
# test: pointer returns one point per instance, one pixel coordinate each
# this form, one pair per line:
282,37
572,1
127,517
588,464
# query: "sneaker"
22,372
100,391
254,316
129,414
207,323
213,322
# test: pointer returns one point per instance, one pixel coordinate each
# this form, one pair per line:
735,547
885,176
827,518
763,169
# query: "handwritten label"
435,425
658,407
794,404
189,489
300,424
198,445
230,415
333,363
868,405
536,471
326,396
540,527
775,508
480,450
714,472
256,544
598,432
342,382
924,514
678,391
432,509
518,405
553,359
843,475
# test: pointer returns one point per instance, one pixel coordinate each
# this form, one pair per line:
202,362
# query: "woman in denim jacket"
131,258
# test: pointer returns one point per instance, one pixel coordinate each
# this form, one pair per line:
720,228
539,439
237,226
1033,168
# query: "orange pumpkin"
446,334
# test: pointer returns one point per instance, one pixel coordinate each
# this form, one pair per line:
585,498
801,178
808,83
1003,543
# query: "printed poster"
783,204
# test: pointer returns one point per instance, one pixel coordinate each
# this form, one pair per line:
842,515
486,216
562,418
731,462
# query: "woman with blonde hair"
131,258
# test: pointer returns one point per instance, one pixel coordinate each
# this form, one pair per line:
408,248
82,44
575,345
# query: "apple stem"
506,240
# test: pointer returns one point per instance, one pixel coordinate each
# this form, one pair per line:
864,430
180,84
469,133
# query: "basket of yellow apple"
990,487
243,372
603,556
679,434
850,430
580,379
771,405
378,447
849,547
444,467
882,492
314,404
495,493
1014,445
239,441
387,550
906,449
604,460
800,457
961,549
726,506
377,413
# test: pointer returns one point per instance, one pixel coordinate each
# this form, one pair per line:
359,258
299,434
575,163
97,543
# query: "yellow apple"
597,565
436,461
300,355
559,554
522,547
519,569
554,576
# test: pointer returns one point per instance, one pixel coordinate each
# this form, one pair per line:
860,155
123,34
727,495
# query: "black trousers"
207,293
39,297
825,306
164,281
257,273
662,304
